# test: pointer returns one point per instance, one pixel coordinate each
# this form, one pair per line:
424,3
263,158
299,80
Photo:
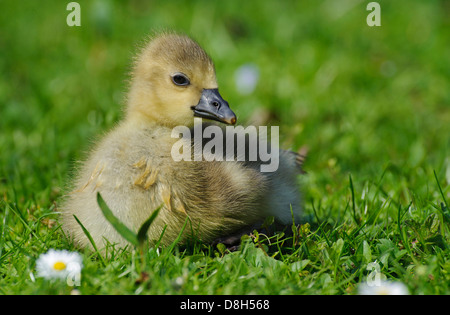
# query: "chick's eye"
180,79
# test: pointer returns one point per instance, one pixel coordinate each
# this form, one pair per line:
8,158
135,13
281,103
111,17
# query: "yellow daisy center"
59,265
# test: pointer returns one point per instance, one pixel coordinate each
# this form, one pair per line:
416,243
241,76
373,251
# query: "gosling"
173,81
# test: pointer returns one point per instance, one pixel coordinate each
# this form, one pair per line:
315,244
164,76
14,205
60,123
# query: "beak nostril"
212,106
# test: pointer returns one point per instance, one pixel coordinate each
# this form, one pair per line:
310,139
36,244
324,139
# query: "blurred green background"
363,99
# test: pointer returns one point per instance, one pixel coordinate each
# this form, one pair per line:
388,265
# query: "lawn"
372,104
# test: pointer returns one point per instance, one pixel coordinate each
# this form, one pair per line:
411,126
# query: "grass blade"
353,197
24,221
142,233
440,189
174,243
91,240
3,229
121,228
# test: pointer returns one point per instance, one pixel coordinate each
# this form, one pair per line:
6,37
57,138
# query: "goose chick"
173,81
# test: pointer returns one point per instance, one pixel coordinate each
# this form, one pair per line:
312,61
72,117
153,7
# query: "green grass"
371,103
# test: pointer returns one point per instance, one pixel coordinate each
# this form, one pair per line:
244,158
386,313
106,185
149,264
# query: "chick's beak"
213,106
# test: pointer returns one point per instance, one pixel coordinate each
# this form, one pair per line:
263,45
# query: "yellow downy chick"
173,81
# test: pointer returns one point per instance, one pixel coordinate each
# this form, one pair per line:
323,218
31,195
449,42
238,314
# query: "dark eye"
180,79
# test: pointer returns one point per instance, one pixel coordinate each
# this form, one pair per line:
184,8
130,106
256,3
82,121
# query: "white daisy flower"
59,264
384,288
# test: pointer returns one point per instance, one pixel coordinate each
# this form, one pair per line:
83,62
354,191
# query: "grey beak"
213,106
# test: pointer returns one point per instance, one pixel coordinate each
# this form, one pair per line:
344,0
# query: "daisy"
384,288
59,264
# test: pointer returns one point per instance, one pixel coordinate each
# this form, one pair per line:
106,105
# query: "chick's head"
173,81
